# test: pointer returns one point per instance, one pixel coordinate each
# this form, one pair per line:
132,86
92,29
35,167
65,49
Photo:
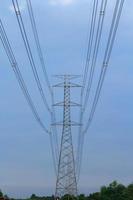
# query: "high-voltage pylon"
66,178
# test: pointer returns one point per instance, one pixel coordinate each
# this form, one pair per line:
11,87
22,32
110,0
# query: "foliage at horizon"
115,191
1,194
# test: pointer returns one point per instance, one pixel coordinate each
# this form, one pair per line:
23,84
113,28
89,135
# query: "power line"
29,52
53,153
37,41
90,42
109,47
88,61
32,63
54,144
96,49
80,136
102,75
88,57
13,62
54,138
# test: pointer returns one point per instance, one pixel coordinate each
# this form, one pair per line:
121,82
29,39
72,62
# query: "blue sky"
26,162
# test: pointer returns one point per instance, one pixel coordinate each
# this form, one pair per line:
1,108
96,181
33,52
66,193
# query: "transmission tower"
66,178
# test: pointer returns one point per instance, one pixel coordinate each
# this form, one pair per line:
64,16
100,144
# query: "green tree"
1,194
81,197
68,197
95,196
114,191
33,196
129,192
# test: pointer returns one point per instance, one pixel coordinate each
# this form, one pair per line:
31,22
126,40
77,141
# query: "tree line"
114,191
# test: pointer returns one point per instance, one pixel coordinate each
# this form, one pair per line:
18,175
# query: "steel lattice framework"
66,178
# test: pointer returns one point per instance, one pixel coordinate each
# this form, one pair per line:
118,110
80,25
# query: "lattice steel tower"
66,178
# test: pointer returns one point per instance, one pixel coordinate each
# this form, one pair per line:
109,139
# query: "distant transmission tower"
66,178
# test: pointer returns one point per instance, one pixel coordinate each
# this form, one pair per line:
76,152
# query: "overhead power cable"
86,70
110,43
93,64
37,41
80,140
95,50
54,143
13,62
53,152
29,52
88,64
55,133
90,42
